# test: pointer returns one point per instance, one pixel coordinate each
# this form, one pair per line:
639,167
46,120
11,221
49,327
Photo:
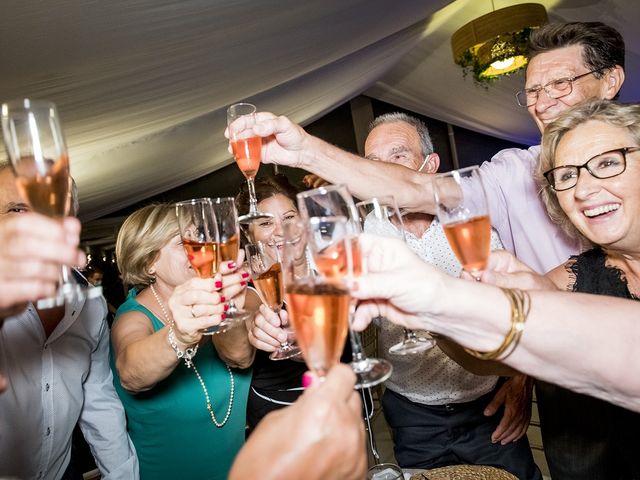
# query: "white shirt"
518,213
53,383
430,377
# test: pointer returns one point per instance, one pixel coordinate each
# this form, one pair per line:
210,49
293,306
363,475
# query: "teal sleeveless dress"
170,425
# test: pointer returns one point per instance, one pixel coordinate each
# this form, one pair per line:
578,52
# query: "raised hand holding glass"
37,151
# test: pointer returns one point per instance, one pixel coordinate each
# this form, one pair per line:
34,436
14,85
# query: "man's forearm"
368,178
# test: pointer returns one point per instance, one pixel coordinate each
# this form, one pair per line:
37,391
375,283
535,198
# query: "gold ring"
193,314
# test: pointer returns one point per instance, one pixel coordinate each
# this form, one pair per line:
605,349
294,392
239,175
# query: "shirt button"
46,387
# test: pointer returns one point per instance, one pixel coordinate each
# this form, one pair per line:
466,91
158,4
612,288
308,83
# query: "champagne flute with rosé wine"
333,201
318,302
224,209
247,150
266,273
380,216
38,154
464,215
199,234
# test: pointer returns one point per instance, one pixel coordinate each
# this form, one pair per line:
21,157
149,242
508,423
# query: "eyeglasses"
605,165
554,89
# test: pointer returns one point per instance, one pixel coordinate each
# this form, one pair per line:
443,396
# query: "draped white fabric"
142,85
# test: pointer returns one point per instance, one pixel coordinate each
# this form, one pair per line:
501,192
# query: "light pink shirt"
517,211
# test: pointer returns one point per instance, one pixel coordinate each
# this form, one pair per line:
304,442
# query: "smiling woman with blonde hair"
591,171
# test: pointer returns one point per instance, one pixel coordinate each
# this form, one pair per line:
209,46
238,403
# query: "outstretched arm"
563,340
286,143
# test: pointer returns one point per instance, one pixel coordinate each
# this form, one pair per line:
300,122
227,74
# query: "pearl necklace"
189,363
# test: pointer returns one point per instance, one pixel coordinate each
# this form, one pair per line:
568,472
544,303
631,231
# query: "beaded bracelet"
187,354
520,306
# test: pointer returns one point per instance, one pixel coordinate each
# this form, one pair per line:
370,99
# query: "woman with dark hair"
275,384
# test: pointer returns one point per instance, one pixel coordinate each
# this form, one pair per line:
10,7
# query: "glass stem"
357,352
409,334
253,203
66,275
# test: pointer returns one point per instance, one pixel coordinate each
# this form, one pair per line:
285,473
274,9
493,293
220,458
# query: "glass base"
385,471
285,352
222,327
251,216
69,292
233,316
236,315
412,345
371,372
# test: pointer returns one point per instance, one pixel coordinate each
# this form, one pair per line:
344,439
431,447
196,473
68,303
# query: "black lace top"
590,274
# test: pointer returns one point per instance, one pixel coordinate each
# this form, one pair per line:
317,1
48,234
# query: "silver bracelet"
187,354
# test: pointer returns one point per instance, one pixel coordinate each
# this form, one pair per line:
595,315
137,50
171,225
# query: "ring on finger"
193,313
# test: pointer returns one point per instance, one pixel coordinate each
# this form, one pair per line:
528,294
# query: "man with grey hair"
440,413
57,365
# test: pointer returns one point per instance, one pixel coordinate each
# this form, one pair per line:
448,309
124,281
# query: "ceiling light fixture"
496,44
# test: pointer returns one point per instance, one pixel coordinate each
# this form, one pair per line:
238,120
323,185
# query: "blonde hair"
606,111
140,239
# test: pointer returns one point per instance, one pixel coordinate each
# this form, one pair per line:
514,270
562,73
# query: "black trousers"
430,436
586,438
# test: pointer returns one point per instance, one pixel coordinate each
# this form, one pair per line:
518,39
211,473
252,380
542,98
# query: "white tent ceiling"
142,85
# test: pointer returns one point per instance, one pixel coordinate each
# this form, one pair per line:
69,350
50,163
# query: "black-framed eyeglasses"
605,165
554,89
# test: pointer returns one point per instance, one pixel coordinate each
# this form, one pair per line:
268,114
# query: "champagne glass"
199,234
381,216
247,150
266,273
36,148
226,215
333,201
464,216
318,304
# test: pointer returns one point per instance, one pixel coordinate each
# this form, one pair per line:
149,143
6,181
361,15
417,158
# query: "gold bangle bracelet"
520,305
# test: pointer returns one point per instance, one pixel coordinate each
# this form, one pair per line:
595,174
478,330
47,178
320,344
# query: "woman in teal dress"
184,393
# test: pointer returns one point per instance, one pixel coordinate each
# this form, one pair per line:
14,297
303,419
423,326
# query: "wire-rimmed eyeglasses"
604,165
554,89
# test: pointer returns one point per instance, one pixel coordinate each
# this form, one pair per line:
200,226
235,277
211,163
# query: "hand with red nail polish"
195,306
231,281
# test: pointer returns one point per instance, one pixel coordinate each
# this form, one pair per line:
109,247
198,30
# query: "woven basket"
464,472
